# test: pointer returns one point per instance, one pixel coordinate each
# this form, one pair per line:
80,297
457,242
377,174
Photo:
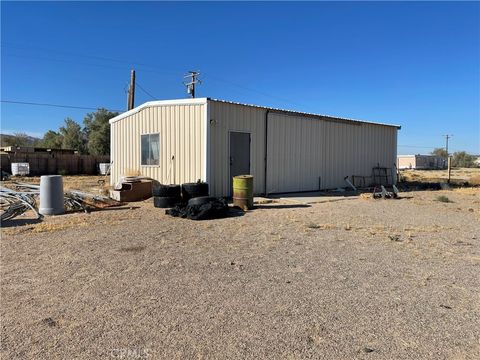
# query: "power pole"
193,75
446,142
449,159
131,91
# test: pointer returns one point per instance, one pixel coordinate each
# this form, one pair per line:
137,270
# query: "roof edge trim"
297,113
158,103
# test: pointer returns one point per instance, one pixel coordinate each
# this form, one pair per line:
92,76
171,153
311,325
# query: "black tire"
193,190
166,191
201,200
165,202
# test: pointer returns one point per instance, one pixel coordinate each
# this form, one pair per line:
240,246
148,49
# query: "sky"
415,64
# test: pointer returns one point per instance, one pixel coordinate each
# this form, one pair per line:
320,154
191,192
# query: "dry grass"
87,183
457,174
366,196
467,191
51,227
474,180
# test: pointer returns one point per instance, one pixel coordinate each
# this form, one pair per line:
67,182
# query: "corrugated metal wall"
304,153
181,129
224,118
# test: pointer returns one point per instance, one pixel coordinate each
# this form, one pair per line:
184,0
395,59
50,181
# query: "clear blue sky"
413,64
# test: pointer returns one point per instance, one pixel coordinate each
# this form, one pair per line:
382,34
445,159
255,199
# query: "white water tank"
51,195
104,168
20,169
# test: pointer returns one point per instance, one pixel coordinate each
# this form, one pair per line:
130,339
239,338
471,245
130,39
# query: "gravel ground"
356,279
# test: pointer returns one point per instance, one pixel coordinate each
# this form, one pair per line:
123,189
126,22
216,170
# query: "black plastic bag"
214,209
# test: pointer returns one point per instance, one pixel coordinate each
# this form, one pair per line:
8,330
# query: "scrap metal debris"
24,198
384,194
14,203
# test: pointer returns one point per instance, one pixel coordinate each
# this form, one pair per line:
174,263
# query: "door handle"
231,161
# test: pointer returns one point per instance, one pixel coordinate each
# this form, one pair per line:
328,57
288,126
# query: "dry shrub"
443,198
474,181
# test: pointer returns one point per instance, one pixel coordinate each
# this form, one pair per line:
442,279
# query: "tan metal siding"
303,149
230,117
182,135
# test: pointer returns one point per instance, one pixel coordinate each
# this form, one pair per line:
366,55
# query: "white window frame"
159,149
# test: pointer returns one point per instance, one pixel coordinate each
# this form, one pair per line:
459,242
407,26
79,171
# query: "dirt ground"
351,279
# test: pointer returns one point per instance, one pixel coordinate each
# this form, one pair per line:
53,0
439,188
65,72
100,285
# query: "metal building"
178,141
421,162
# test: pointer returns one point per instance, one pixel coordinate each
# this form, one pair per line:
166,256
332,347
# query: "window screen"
150,149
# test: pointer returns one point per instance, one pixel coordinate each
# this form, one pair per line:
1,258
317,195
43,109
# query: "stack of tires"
194,190
167,196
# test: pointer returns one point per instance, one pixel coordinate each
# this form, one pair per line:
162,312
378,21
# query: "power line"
156,69
417,146
145,91
56,105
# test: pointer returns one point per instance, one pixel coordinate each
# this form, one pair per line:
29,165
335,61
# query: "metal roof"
293,112
204,100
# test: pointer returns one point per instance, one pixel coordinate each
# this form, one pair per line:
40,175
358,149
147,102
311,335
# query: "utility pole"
193,75
449,159
131,91
446,142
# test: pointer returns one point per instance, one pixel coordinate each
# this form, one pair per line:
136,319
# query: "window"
150,149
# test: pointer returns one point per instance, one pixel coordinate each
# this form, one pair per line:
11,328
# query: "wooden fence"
50,164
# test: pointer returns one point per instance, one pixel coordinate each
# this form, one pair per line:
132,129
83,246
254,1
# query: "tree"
97,130
73,136
52,140
439,152
18,139
462,159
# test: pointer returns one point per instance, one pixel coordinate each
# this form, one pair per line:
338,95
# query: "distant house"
421,162
477,160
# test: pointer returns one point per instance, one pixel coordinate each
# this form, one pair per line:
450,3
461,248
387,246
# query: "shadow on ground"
19,222
280,206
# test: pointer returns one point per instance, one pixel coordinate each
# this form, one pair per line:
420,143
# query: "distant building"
31,149
421,162
477,160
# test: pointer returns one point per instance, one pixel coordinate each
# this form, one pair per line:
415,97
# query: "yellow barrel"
243,191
